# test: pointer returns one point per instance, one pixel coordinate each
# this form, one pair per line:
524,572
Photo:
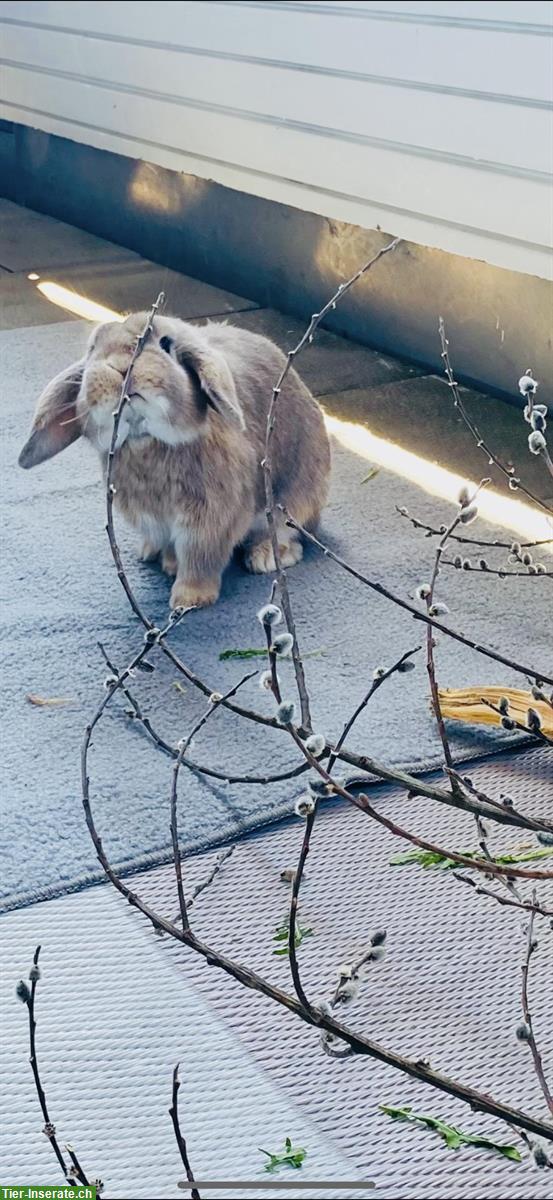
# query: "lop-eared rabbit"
187,468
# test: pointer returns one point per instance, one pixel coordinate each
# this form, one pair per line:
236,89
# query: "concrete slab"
419,415
31,241
331,363
123,287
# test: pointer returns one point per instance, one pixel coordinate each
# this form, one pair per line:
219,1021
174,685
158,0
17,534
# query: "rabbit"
187,468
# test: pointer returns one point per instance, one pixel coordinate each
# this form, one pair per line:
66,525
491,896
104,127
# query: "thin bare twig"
507,472
431,531
418,614
306,338
215,701
480,890
28,995
181,1141
531,947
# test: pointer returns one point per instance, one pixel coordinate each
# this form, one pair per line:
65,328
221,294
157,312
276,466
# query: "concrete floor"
352,381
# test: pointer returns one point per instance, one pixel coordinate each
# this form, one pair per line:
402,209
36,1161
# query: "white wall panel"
433,120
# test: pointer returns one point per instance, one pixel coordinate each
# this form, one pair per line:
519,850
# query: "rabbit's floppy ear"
211,369
55,423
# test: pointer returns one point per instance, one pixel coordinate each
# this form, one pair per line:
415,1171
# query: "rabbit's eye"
166,344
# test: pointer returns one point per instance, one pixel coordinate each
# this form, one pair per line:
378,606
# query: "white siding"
430,120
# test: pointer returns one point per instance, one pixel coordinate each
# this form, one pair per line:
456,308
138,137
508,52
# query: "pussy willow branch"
507,472
363,803
500,571
477,1100
537,733
418,614
484,805
431,531
430,657
531,947
124,399
49,1127
181,1140
306,338
377,683
509,901
214,703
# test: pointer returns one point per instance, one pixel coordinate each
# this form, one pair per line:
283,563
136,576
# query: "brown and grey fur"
187,469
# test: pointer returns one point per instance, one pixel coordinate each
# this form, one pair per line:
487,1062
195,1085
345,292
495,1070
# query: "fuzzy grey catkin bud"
527,385
286,712
438,610
533,720
407,665
532,569
546,839
270,614
377,953
282,643
513,483
536,442
467,564
34,973
23,992
526,558
540,569
516,548
315,744
540,1155
379,937
304,806
379,672
523,1032
348,990
537,421
503,705
483,564
345,971
422,591
266,681
463,497
507,723
468,515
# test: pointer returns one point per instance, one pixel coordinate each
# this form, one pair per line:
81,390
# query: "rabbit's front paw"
194,595
260,560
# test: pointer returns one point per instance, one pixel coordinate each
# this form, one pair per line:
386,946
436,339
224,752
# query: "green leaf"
291,1156
371,474
281,935
431,858
253,652
453,1137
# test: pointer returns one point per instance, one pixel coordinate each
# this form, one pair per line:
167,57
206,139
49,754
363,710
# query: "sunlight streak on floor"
73,302
500,510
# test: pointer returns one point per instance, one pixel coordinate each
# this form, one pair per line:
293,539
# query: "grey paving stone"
331,363
30,241
122,287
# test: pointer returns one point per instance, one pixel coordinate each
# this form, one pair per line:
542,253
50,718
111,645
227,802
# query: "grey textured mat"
118,1006
114,1017
61,596
448,989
